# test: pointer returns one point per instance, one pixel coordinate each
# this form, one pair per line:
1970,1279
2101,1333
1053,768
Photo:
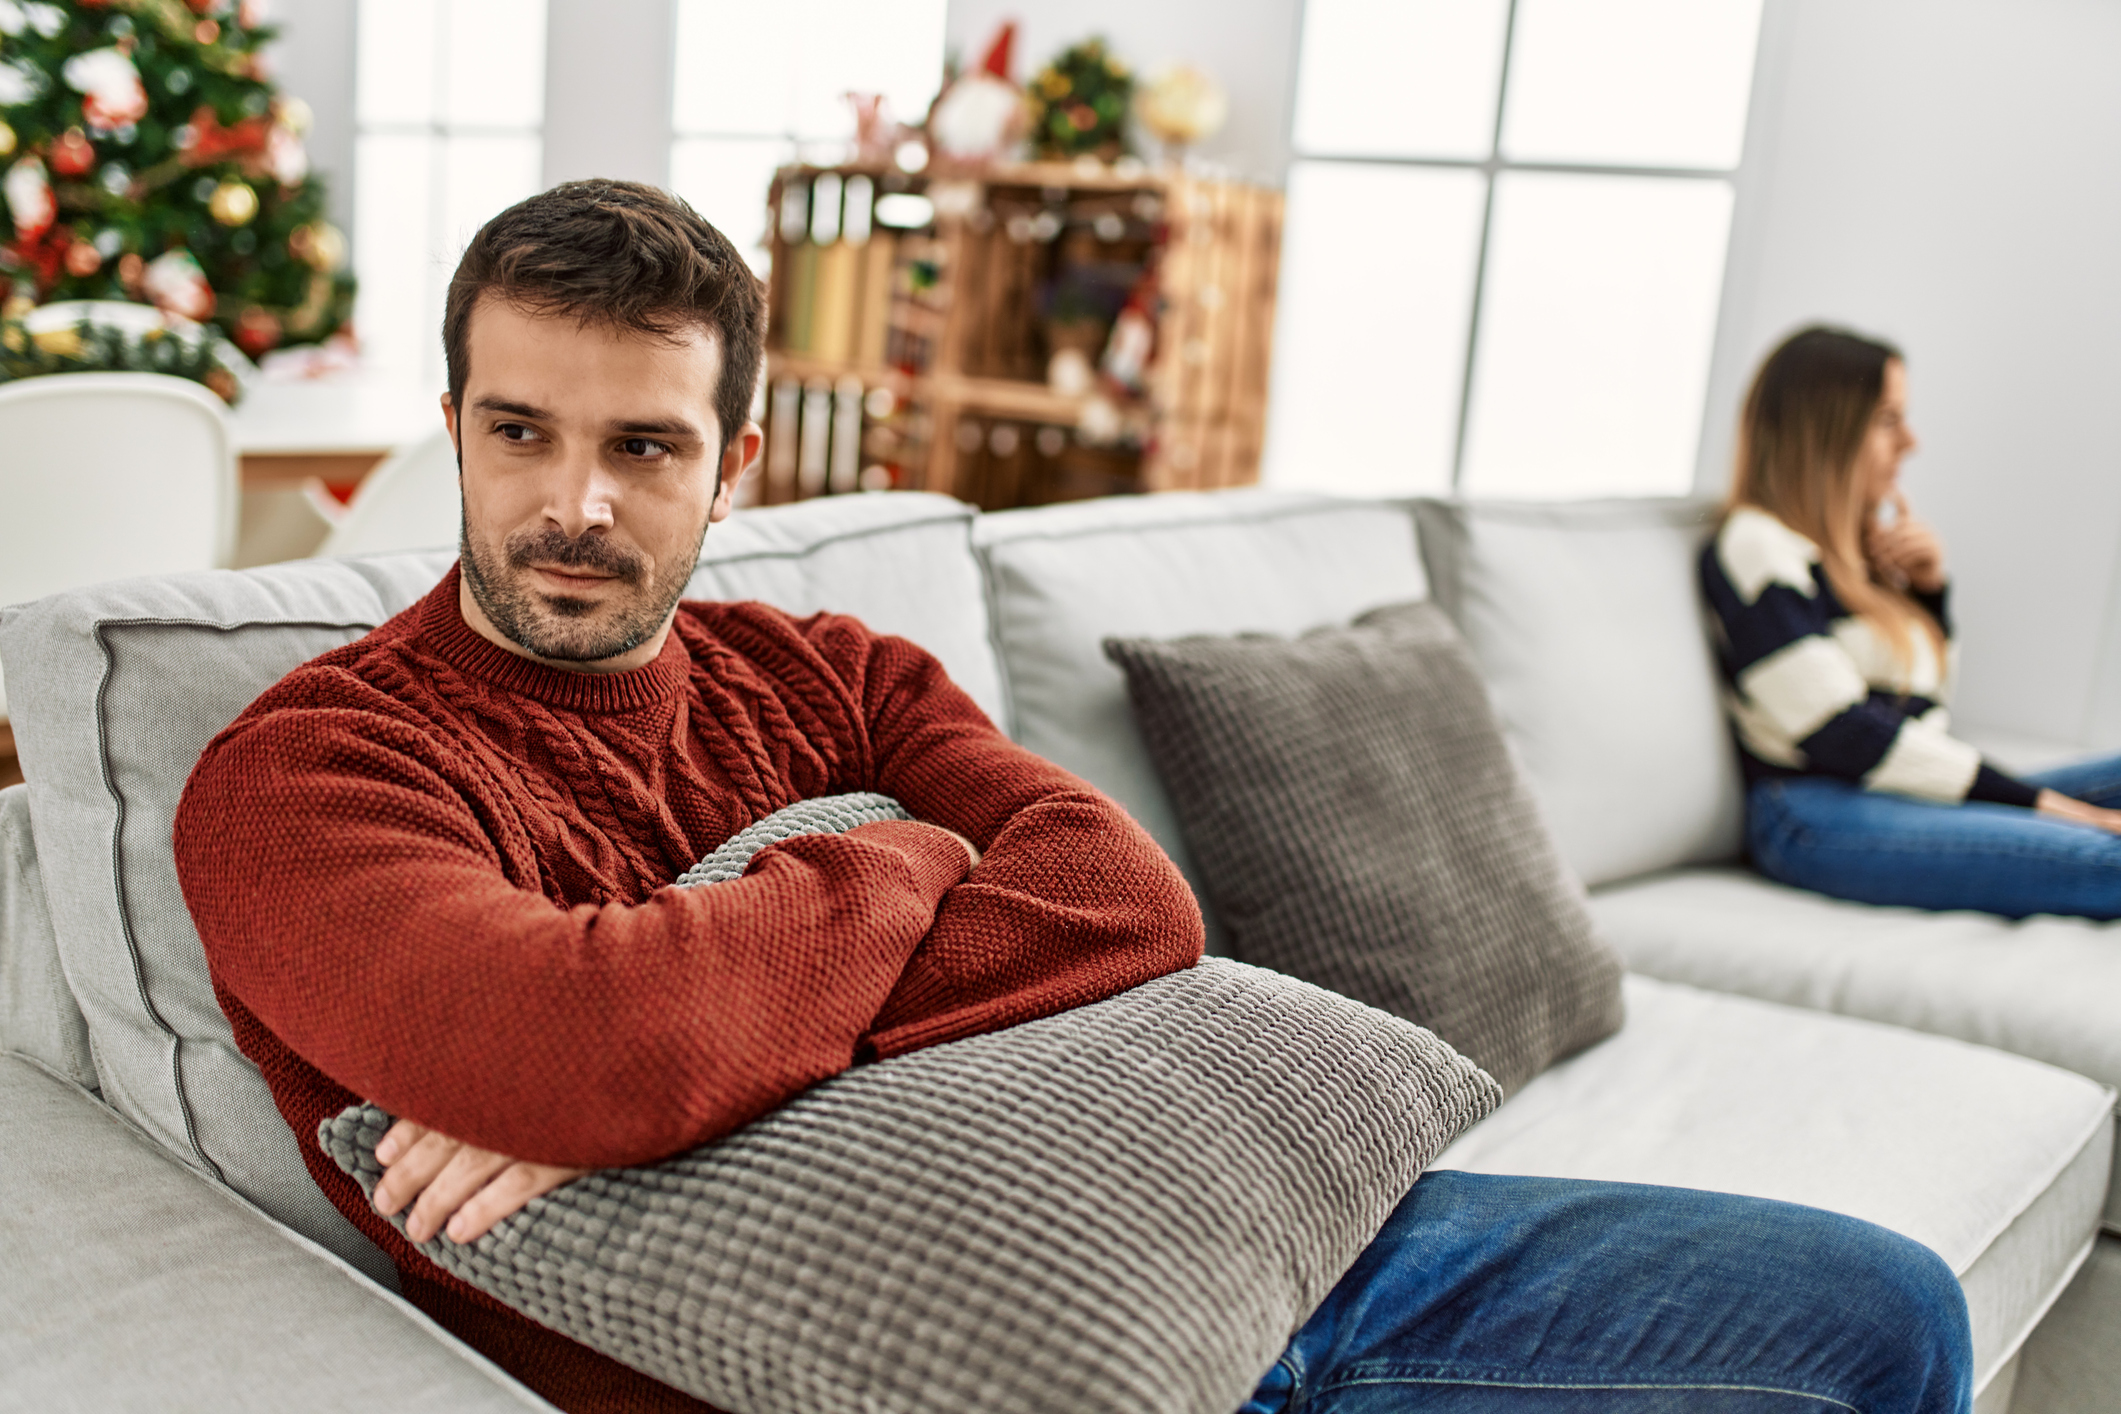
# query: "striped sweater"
1815,690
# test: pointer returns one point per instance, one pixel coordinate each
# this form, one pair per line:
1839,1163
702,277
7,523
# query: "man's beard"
558,626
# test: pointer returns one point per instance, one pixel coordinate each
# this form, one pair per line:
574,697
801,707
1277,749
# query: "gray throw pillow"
1128,1206
1357,822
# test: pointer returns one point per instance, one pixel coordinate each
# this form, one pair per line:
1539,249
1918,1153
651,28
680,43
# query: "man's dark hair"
620,253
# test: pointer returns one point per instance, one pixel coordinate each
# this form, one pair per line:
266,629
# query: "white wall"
1944,173
313,61
1248,45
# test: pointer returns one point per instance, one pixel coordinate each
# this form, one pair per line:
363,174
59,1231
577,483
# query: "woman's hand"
2062,807
1907,551
468,1189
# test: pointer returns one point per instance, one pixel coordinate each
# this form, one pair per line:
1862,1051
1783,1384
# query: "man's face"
591,469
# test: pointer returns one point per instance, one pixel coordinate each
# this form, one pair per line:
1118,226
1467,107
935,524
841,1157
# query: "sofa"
1948,1076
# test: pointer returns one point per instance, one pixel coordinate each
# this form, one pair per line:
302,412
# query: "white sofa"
163,1247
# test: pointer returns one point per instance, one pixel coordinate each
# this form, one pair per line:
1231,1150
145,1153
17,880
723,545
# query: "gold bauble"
319,245
7,140
233,204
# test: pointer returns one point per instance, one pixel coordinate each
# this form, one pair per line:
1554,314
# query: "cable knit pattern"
435,874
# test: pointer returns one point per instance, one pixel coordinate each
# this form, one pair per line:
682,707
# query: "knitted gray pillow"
1357,822
1129,1206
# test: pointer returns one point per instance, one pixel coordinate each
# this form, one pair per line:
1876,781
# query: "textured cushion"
1995,1162
1062,578
1132,1205
2048,988
1587,624
38,1015
1358,823
118,689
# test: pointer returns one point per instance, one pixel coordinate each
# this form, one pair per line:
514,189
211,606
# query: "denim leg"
1486,1293
1839,839
2096,782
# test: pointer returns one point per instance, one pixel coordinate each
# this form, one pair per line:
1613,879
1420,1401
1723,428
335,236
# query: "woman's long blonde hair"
1804,422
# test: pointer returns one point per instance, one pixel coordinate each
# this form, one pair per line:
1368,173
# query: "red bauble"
257,329
72,153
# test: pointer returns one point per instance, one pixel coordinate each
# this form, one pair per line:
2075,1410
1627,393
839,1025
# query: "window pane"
1636,83
1370,339
393,205
734,72
1596,320
484,176
725,179
892,47
1399,78
496,71
394,73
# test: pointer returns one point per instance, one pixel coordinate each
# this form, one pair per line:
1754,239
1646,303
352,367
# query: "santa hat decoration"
979,115
997,60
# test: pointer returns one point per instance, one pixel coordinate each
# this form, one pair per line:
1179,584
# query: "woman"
1837,659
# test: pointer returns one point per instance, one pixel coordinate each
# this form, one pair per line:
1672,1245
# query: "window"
449,99
784,99
1504,247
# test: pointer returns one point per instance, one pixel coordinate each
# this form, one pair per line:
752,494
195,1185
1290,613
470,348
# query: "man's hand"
468,1189
1907,551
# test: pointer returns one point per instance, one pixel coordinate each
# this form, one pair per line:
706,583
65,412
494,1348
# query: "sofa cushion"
1359,824
121,686
1064,578
39,1017
1133,1204
2044,987
1587,624
1995,1162
133,1284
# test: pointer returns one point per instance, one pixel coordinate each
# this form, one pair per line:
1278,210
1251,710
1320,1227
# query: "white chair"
410,502
109,475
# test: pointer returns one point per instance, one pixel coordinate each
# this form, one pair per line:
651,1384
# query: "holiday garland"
88,346
147,158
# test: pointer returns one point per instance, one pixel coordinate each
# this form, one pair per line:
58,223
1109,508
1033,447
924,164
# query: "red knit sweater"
431,873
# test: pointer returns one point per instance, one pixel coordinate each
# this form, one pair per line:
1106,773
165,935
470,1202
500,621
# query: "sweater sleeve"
1800,701
348,895
1072,900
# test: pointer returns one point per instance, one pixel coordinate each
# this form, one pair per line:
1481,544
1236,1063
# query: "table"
334,428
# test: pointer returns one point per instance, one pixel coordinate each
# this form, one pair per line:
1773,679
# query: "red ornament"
72,153
257,329
212,143
83,260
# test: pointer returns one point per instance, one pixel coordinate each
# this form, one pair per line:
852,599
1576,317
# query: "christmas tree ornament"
1079,104
318,245
233,203
114,96
174,283
7,141
257,329
83,260
29,200
285,157
1181,105
46,20
979,116
72,153
130,268
207,33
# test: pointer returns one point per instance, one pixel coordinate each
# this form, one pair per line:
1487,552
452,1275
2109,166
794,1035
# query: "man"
429,869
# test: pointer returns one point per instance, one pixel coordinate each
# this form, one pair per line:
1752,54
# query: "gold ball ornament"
233,204
7,140
318,245
1181,105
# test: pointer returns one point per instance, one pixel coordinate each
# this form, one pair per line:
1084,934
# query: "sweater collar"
442,629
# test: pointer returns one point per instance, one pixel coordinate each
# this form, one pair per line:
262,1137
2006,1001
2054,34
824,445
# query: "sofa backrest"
120,687
1586,621
1062,579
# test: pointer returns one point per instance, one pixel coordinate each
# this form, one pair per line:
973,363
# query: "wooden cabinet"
1031,333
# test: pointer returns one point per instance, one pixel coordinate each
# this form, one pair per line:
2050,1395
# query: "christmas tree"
148,158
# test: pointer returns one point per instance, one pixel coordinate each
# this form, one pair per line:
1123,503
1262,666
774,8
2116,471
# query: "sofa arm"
132,1283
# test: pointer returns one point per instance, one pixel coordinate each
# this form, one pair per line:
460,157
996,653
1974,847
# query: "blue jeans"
1836,838
1487,1293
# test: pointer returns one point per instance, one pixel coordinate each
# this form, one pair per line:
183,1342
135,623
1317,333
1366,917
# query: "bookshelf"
956,332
